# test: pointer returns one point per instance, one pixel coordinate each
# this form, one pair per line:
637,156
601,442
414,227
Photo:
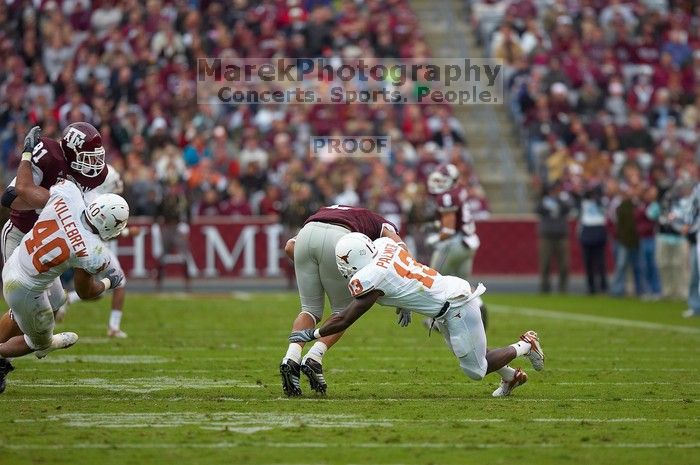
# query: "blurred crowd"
128,67
605,96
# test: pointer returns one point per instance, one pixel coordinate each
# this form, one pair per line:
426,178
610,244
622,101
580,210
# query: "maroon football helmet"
443,178
82,147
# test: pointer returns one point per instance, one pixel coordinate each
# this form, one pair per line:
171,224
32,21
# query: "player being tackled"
67,234
382,272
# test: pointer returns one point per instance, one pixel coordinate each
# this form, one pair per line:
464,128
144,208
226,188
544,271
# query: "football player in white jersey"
66,235
382,272
113,184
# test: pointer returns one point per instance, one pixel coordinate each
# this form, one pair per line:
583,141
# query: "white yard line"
140,385
352,445
586,318
359,371
147,398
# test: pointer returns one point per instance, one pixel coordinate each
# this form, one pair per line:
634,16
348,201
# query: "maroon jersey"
354,218
48,167
457,200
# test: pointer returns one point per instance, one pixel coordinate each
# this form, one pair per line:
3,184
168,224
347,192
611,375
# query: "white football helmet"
353,252
443,178
108,213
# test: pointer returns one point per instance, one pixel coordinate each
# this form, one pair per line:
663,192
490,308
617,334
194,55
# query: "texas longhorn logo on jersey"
74,138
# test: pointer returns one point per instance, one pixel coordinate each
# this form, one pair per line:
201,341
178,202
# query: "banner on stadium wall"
223,247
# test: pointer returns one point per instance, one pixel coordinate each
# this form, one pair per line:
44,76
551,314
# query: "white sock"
521,347
73,297
317,351
293,352
507,373
115,319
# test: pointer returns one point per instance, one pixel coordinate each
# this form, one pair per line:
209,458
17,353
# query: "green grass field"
197,382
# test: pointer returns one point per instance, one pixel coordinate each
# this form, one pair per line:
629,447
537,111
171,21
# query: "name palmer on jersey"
408,284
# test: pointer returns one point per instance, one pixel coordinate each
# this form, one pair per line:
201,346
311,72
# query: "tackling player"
457,242
79,156
382,272
66,235
317,275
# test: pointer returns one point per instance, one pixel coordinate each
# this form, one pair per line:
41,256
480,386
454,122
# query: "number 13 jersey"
59,240
407,283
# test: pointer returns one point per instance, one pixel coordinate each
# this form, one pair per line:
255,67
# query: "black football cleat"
314,371
5,368
290,373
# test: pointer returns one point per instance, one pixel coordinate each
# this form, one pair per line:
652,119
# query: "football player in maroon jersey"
456,242
79,156
313,252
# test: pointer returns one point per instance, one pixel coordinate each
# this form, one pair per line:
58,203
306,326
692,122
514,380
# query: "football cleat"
314,371
690,313
506,387
5,368
116,333
290,373
58,341
536,354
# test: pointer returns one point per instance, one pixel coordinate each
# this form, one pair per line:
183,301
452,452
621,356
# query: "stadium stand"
129,68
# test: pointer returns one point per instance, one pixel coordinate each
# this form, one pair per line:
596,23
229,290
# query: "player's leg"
8,327
465,335
339,297
312,300
182,247
33,313
118,298
8,330
10,237
694,283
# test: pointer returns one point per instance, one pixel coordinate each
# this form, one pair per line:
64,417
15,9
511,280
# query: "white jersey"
407,283
59,240
112,184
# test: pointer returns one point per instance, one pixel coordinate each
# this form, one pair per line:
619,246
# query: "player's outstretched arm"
448,224
391,234
340,321
88,287
29,194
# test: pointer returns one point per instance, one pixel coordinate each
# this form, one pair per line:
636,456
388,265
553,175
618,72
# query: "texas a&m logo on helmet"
82,147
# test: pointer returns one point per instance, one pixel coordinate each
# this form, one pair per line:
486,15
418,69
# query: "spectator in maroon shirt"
271,203
237,203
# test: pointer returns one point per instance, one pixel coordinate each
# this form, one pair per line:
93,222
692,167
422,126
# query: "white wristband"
317,333
27,156
106,282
